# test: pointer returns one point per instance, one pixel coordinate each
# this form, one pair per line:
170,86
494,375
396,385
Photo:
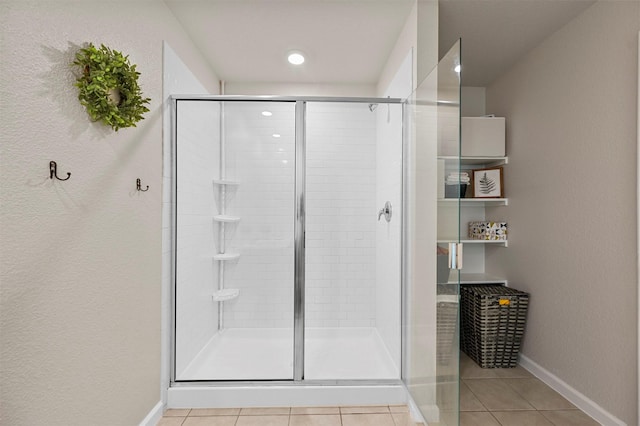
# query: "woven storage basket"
493,323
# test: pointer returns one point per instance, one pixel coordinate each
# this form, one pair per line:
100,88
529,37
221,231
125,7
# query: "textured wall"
571,130
80,260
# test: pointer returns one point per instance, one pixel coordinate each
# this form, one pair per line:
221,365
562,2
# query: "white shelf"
477,161
476,201
226,256
502,243
477,278
226,294
226,218
225,182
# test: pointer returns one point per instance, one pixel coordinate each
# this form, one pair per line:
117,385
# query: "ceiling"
349,41
496,33
344,41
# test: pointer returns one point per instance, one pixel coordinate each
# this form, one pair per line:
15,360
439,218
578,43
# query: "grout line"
473,393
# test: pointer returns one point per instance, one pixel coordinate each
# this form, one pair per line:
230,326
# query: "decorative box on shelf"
488,231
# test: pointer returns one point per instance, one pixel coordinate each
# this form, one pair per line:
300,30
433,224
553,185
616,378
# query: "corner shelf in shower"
226,218
225,294
226,256
225,182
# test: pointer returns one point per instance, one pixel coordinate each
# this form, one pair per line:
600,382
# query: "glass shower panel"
352,308
234,245
431,309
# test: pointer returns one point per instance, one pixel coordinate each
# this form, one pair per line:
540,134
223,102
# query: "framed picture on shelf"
488,183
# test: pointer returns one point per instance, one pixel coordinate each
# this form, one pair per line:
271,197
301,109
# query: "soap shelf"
226,294
226,256
226,218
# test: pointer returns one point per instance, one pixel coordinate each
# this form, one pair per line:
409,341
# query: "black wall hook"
53,171
139,186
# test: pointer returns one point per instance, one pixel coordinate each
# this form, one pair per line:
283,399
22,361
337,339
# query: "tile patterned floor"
488,397
512,397
386,415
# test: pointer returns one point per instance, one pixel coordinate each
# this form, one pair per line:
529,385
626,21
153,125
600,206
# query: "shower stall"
304,249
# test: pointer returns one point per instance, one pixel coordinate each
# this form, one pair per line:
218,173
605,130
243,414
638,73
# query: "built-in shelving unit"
471,209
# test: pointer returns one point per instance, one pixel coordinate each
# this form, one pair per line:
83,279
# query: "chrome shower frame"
299,240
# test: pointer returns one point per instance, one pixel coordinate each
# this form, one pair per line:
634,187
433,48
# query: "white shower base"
267,354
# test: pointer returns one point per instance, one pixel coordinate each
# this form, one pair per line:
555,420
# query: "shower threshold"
344,366
267,354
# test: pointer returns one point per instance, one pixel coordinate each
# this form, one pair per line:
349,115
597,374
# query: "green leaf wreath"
109,87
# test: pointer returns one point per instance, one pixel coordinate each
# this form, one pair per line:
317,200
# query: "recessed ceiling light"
276,135
267,113
457,68
295,58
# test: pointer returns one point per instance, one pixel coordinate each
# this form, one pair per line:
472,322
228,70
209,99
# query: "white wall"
300,89
80,300
427,38
405,45
198,163
389,123
473,101
571,130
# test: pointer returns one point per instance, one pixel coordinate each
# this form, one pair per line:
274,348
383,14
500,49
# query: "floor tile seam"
494,410
531,403
520,394
476,396
495,418
504,381
560,409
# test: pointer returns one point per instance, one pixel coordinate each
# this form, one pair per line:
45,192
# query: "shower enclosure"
305,233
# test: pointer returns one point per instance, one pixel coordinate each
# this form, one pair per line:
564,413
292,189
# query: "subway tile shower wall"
264,165
340,214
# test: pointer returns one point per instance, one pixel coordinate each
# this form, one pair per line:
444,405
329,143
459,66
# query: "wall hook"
53,171
139,186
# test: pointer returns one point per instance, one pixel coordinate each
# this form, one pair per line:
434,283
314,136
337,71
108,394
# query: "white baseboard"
154,415
588,406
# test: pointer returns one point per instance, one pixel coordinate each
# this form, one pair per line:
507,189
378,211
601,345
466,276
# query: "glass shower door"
431,307
352,286
234,242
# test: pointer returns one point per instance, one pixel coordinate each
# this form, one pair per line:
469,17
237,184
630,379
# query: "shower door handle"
455,256
386,211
